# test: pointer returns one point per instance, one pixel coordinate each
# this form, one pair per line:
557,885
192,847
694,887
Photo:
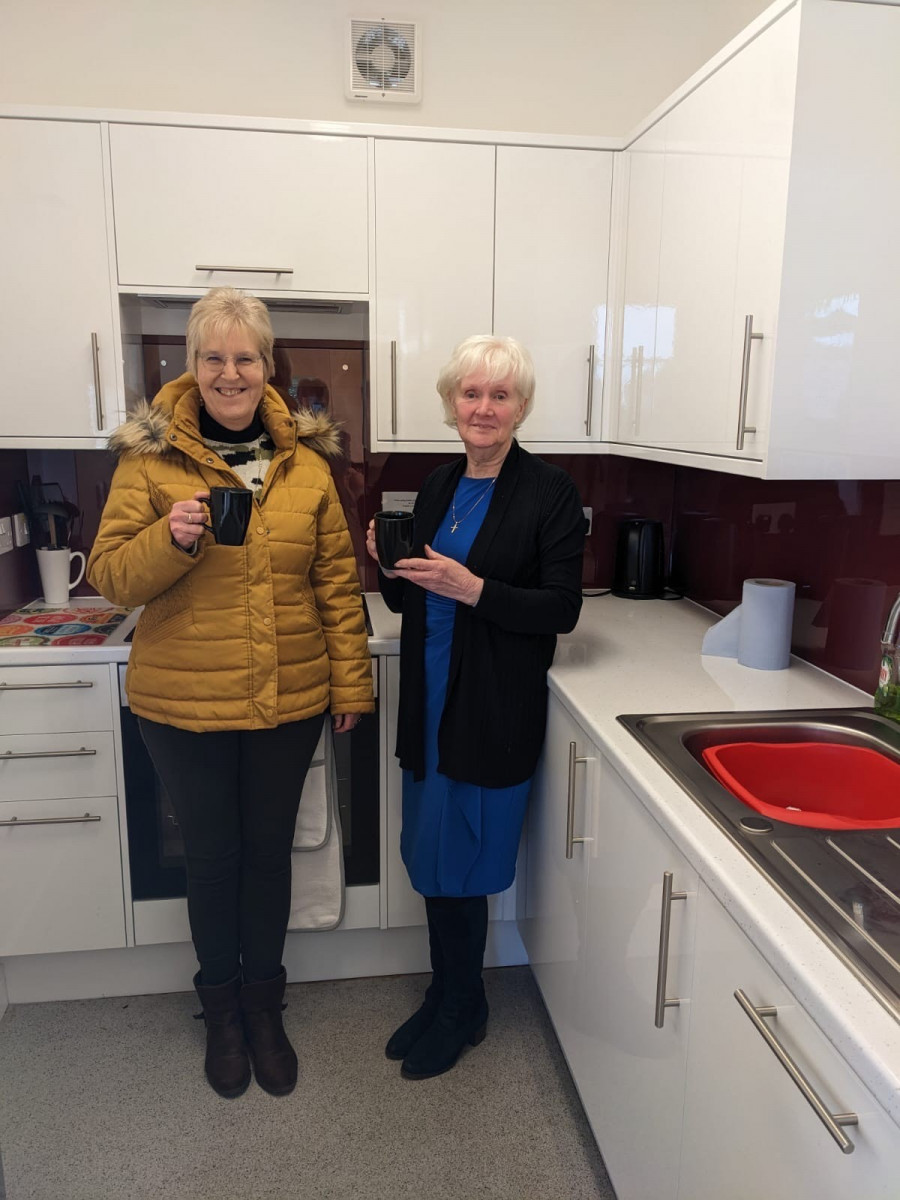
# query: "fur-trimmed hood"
147,429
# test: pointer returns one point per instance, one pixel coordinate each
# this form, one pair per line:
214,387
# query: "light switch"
589,517
6,538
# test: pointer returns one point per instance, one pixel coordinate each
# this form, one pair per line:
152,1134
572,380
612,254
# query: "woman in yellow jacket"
237,655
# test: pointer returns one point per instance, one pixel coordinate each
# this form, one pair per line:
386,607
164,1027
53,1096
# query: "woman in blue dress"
495,575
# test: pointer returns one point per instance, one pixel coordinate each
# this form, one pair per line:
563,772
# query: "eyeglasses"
242,362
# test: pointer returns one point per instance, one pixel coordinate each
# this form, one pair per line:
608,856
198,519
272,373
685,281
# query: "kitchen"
569,239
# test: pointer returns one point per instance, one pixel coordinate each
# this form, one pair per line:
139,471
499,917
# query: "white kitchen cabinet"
550,281
197,208
777,264
592,931
61,885
748,1131
56,312
705,226
553,929
434,249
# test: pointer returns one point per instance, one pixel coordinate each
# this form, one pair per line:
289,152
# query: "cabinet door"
643,230
60,876
630,1071
550,285
748,1131
288,211
59,377
553,928
434,238
721,202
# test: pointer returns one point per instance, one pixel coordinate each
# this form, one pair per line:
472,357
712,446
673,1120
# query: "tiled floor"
106,1100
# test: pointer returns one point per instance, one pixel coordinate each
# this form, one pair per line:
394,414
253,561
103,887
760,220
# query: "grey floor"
106,1100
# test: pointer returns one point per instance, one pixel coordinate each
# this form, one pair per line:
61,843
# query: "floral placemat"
71,624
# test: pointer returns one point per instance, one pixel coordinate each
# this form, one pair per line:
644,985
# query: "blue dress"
457,839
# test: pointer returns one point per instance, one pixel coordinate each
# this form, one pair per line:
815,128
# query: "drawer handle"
249,270
662,965
31,687
51,820
574,759
831,1121
8,754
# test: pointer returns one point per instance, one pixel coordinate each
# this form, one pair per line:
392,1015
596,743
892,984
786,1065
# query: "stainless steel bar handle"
50,820
98,391
662,965
831,1121
8,754
749,337
393,387
637,383
590,392
31,687
574,760
248,270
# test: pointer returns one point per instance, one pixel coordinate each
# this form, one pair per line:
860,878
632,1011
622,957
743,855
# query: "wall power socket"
21,532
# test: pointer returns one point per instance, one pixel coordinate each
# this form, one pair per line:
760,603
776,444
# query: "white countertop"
643,656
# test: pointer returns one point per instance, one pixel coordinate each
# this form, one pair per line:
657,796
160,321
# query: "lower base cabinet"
686,1100
592,930
748,1131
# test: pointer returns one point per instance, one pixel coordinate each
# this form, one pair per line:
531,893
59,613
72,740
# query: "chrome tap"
887,695
889,637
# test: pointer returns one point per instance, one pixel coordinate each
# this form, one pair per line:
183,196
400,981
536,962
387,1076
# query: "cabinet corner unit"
759,264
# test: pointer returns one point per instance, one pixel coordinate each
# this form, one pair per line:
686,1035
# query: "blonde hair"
222,310
497,357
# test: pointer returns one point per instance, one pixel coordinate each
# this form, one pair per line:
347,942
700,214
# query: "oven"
155,848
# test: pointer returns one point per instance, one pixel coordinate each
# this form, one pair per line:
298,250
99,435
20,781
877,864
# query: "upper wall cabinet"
705,227
550,281
760,264
59,378
434,250
472,239
197,208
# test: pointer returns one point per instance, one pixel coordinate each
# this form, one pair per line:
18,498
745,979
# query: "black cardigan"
528,551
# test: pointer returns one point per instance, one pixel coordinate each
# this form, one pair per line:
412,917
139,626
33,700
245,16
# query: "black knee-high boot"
403,1039
461,1018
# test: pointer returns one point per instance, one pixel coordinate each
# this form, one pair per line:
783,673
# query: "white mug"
55,566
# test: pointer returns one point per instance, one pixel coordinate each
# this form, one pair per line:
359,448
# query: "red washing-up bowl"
822,785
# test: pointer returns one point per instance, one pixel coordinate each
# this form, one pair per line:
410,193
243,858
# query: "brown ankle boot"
274,1060
227,1062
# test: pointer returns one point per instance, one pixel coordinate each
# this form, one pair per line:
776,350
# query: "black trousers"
236,795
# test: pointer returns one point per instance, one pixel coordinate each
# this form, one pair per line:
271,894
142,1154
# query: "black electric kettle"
639,571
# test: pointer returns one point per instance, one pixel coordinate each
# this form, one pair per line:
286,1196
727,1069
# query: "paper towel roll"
767,614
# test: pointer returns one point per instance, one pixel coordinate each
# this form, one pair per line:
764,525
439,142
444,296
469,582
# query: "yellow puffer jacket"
233,637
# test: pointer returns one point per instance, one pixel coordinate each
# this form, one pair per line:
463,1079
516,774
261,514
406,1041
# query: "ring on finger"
190,518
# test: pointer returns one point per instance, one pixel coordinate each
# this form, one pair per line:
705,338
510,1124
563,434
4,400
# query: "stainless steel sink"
847,883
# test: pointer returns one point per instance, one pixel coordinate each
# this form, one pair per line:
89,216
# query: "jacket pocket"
167,613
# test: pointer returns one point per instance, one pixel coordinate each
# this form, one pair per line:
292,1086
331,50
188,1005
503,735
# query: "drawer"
55,699
56,765
60,878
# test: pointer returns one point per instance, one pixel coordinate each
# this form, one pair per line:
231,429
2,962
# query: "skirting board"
4,999
144,970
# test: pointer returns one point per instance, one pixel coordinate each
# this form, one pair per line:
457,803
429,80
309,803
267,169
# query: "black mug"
393,536
229,514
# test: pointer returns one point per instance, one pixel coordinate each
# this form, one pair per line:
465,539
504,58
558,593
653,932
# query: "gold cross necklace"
457,521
